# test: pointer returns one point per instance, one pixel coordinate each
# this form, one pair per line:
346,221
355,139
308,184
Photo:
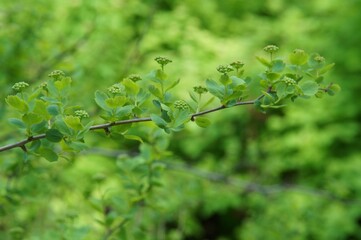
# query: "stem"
105,126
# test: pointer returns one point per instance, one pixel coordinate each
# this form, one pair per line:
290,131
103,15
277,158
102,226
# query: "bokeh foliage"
292,173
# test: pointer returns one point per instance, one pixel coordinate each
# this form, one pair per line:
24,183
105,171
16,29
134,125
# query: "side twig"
106,126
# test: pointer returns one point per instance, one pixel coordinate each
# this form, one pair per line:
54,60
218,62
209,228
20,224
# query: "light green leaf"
298,57
202,122
100,98
40,108
264,61
115,102
175,83
326,68
73,122
17,103
309,88
215,89
281,90
133,137
31,118
130,86
333,89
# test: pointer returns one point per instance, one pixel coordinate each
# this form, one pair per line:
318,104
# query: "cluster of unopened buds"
114,89
271,48
19,86
134,77
225,69
181,105
200,89
162,60
289,81
81,114
319,59
237,64
56,74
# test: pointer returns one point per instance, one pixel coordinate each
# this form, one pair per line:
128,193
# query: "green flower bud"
116,88
162,60
81,114
200,89
299,51
224,69
180,104
271,48
289,81
237,64
319,59
56,75
134,77
19,86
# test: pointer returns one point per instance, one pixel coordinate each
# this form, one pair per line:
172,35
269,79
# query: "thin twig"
105,126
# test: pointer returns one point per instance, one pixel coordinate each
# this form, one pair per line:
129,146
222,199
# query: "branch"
106,126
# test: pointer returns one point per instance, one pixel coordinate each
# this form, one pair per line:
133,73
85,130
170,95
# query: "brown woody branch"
106,126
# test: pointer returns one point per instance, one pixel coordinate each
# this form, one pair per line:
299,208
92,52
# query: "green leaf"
298,57
100,98
224,79
193,97
63,127
278,65
272,76
17,103
53,110
333,89
63,84
209,101
264,61
326,68
31,118
160,122
182,116
281,90
215,89
309,88
17,122
202,122
133,137
115,102
175,83
130,86
73,122
236,81
155,91
123,111
48,154
40,108
53,135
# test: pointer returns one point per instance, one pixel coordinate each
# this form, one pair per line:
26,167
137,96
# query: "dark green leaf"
49,154
160,122
53,109
53,135
17,122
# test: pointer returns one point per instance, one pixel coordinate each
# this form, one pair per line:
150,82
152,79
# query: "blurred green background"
293,173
